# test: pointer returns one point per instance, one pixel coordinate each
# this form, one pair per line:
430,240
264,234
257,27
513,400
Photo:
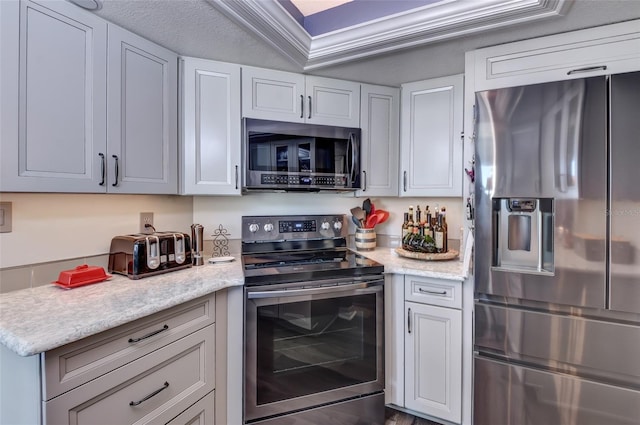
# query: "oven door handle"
312,291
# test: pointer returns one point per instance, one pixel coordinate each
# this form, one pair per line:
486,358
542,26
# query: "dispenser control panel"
522,205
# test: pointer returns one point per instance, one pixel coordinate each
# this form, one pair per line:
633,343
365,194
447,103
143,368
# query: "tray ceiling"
437,21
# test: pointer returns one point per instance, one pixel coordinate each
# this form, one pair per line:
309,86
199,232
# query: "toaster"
140,255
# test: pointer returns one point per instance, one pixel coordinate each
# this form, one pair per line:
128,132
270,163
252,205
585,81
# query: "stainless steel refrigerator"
557,266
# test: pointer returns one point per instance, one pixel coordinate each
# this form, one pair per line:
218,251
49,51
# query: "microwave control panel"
296,180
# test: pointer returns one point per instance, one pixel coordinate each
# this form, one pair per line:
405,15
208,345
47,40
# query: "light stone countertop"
39,319
394,263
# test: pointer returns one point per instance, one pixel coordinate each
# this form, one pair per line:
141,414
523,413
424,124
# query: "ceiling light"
309,7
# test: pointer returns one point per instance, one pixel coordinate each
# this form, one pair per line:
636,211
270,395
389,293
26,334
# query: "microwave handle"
352,170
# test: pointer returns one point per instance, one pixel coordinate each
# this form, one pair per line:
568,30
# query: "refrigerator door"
546,143
509,394
625,193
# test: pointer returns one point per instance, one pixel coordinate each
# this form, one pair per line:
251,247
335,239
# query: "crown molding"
436,22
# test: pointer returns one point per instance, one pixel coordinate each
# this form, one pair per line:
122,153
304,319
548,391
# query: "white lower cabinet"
201,413
156,370
433,361
424,353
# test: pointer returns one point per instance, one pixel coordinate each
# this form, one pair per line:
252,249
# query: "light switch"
5,217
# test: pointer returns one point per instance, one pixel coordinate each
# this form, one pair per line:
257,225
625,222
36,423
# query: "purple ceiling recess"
349,14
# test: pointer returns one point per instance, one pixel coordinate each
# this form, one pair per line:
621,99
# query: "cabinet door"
53,98
142,115
433,361
379,117
211,128
273,95
332,102
609,49
430,137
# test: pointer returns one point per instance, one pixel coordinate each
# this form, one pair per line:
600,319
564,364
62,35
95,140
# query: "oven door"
310,345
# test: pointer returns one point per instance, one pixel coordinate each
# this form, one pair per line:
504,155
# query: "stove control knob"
268,227
337,225
253,227
325,225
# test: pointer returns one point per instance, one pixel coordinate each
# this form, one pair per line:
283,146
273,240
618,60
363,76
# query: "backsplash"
55,232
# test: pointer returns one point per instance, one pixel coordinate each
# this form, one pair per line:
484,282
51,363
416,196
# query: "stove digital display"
292,226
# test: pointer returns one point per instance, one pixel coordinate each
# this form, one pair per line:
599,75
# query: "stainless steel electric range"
314,341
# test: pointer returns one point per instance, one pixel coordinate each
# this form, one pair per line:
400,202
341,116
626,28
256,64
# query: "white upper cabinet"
53,83
332,102
380,121
287,96
609,49
86,106
142,116
272,95
211,128
430,137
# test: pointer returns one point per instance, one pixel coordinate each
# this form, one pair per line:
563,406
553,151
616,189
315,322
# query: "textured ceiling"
195,28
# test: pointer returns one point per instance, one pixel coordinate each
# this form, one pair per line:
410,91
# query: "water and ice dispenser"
523,235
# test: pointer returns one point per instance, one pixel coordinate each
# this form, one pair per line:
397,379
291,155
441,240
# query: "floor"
393,417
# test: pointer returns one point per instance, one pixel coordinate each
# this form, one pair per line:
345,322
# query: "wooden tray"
449,255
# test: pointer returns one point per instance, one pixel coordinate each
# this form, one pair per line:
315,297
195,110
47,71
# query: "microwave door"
305,157
282,157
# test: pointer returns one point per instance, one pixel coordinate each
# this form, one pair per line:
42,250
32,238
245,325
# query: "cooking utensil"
372,220
360,214
366,206
382,215
357,222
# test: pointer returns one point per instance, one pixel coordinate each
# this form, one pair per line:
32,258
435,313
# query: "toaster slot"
179,248
153,252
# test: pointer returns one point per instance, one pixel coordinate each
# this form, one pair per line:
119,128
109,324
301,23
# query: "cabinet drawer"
201,413
79,362
445,293
151,389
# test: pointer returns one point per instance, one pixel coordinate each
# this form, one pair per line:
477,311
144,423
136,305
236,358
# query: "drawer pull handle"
588,69
426,291
409,320
155,393
149,335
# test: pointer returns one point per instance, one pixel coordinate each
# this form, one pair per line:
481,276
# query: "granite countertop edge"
395,264
40,319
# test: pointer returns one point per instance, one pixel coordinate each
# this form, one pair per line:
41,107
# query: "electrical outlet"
146,218
5,217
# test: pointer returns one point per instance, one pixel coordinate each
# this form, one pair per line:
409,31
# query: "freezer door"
596,349
625,193
509,394
545,141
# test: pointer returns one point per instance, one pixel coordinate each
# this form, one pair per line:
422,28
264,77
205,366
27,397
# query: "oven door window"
307,347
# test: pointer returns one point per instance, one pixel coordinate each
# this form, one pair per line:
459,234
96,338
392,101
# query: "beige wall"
52,227
213,211
55,232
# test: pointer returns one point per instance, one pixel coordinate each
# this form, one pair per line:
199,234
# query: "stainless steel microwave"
300,157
